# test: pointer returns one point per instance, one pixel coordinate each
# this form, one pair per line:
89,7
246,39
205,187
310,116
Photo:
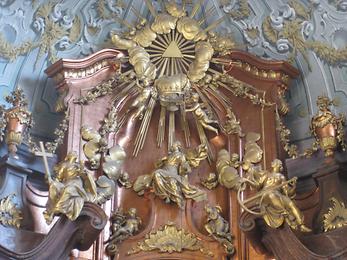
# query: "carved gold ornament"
284,132
170,239
122,227
327,129
273,200
10,215
72,185
336,217
15,121
168,62
217,227
169,181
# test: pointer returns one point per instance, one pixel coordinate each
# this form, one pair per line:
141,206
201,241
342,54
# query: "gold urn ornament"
15,120
327,128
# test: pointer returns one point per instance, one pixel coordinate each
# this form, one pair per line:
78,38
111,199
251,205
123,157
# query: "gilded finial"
327,129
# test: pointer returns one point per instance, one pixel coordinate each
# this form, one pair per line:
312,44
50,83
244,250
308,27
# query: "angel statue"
123,226
274,197
169,181
69,189
71,186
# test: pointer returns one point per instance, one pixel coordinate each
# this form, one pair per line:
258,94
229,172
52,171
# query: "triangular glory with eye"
172,51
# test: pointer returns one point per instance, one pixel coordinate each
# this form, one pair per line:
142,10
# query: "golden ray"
162,47
137,13
161,126
160,41
220,96
123,92
189,47
185,125
156,61
196,8
185,63
213,25
162,72
155,55
124,22
188,56
217,96
123,119
185,43
171,138
187,60
154,51
143,130
166,38
161,65
207,14
180,39
151,8
180,65
175,65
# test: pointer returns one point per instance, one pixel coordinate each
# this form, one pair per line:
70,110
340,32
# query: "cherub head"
176,147
132,212
71,157
277,165
213,212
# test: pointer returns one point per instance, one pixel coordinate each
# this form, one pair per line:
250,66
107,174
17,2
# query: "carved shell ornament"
175,62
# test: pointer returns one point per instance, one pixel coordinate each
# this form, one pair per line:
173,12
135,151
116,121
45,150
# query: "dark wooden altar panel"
77,77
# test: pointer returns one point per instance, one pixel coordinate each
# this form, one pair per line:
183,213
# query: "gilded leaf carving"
10,215
170,239
336,217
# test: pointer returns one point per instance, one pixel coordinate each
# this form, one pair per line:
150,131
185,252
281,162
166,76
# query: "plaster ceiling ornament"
174,62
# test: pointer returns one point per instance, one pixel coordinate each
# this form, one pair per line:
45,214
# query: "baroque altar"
173,94
173,147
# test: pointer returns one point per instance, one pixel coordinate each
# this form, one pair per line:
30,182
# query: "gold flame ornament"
327,129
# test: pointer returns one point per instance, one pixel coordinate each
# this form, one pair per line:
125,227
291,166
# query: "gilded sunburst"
171,53
168,62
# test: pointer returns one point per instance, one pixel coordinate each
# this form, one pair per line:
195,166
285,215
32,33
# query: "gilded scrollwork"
170,239
10,214
284,132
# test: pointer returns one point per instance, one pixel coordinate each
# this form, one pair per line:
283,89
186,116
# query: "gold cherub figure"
123,226
200,114
217,227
